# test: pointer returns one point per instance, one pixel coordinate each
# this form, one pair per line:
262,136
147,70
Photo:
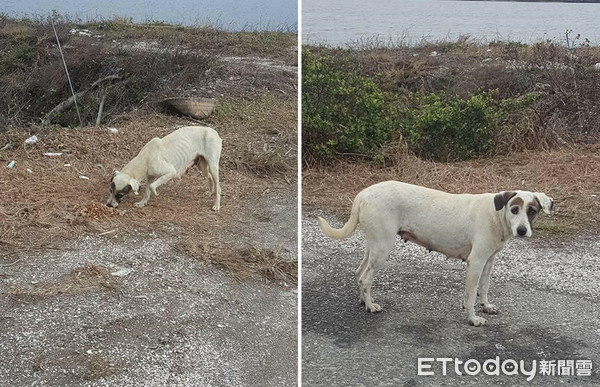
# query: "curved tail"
349,227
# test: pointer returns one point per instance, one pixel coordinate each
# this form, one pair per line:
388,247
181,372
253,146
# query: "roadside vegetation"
457,116
448,101
138,64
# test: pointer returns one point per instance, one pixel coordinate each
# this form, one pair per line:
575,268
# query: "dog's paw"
373,308
153,190
139,204
477,321
215,208
490,309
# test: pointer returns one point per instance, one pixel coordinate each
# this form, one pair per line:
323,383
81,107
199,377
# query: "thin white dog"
470,227
162,159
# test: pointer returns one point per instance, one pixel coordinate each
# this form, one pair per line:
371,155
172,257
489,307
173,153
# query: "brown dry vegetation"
242,263
52,203
88,278
152,62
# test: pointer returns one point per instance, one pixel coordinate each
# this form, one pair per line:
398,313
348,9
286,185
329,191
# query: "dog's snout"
109,204
521,231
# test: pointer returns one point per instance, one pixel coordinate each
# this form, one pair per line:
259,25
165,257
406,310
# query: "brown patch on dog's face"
533,209
516,205
120,194
115,196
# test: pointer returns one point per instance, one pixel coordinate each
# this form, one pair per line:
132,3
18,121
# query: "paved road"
549,296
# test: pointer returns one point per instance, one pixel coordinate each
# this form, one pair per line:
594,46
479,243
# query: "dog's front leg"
146,197
484,284
162,180
475,264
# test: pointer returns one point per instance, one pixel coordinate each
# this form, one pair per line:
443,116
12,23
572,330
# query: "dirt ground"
169,295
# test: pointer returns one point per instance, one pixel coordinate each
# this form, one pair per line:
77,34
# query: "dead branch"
61,107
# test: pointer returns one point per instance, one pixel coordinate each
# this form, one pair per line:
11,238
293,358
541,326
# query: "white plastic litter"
52,154
29,170
11,164
113,130
597,67
122,273
66,165
31,140
82,177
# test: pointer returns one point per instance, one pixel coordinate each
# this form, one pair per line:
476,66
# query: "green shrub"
343,112
449,128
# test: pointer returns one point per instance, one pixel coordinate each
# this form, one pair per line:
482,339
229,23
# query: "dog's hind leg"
379,250
213,168
359,273
203,165
484,284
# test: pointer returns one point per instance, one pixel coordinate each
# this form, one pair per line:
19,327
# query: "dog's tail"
349,227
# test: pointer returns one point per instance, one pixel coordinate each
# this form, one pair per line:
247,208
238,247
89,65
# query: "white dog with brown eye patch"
470,227
162,159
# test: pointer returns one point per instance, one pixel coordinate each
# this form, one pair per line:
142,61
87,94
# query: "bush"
33,82
449,128
343,112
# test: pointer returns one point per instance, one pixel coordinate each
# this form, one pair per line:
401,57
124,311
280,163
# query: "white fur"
161,159
469,227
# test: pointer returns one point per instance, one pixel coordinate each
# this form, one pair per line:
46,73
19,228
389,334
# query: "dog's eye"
515,210
531,211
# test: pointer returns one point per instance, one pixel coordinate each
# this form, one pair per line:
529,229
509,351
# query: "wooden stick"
99,118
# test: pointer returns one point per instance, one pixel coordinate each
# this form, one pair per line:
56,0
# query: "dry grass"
87,366
570,175
264,164
243,263
52,204
86,279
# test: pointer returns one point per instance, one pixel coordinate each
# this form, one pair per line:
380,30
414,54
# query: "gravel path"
549,298
173,321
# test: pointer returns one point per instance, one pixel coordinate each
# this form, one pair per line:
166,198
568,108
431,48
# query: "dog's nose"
521,231
109,204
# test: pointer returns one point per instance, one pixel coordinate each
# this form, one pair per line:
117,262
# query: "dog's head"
120,185
521,208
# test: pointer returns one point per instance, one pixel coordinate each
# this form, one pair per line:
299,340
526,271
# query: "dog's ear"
135,186
502,198
545,201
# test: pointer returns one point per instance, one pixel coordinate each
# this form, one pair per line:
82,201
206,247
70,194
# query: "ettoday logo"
508,367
